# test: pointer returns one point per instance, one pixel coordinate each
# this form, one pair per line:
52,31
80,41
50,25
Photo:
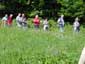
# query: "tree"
71,8
49,8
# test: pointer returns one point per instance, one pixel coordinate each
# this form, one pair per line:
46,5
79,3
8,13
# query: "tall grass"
18,46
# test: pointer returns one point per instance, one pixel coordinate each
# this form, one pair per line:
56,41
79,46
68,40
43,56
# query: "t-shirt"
61,21
9,21
18,18
4,19
45,22
36,21
76,24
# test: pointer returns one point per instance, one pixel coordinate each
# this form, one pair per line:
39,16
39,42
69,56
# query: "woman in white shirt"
4,20
76,25
45,23
18,20
61,23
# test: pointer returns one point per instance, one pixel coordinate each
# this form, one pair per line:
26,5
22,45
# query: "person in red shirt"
9,21
36,22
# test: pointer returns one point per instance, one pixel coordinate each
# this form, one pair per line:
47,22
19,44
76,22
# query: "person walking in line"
4,20
45,23
61,23
9,21
76,25
24,21
36,22
18,18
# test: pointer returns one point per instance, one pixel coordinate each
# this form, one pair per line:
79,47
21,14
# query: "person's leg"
18,24
37,26
24,25
10,24
4,23
78,28
74,29
61,28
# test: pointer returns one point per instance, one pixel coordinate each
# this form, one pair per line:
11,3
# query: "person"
9,21
76,25
82,57
18,18
24,22
4,20
45,23
36,22
61,23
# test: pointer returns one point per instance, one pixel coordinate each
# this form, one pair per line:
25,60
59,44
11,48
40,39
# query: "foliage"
48,8
72,7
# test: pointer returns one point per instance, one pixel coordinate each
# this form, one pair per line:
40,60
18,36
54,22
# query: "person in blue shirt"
61,23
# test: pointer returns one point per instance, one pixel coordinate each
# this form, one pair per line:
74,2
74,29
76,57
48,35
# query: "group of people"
21,21
7,20
36,22
61,23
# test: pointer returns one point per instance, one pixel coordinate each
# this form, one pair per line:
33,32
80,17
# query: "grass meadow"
18,46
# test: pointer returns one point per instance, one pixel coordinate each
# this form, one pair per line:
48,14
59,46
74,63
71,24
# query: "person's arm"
58,21
82,57
63,22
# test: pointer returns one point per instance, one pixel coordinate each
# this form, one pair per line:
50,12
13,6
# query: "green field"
18,46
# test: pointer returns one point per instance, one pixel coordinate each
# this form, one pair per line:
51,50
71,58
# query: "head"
6,15
76,19
19,14
23,15
36,16
11,15
62,16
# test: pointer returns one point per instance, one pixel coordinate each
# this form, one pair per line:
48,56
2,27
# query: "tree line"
47,8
